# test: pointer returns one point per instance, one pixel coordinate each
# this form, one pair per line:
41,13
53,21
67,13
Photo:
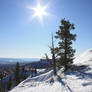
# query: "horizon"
23,37
38,58
19,58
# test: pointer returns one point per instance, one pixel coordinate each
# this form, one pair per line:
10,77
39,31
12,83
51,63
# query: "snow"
84,58
71,81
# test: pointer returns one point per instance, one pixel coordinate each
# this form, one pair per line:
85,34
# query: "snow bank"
84,58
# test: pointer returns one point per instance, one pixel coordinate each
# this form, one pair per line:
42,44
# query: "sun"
39,11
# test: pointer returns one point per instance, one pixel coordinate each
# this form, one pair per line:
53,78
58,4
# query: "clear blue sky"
22,37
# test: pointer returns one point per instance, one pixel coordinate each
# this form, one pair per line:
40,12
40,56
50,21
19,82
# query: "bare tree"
53,56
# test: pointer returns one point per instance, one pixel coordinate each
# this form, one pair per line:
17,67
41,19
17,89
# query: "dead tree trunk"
53,57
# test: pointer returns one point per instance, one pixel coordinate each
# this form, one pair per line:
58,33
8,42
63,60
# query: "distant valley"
14,60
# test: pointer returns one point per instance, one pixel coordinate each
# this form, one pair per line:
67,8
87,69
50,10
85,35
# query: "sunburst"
39,11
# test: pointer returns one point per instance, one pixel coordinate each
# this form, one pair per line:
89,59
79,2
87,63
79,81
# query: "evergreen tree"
1,83
1,86
47,59
65,50
46,56
17,74
1,76
24,74
23,69
9,84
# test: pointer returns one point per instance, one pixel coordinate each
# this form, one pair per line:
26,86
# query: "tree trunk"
54,65
65,60
53,57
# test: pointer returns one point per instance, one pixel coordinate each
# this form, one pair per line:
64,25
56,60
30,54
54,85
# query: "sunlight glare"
39,11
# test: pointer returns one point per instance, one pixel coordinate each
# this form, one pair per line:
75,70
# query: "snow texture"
71,81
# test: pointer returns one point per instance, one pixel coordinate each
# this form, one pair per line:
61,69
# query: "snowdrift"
84,58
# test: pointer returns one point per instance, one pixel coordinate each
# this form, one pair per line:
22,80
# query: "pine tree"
23,69
24,74
17,74
1,83
1,76
9,84
1,86
35,71
65,50
47,59
46,56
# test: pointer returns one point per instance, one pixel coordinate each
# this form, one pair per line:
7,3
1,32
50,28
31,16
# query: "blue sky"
22,37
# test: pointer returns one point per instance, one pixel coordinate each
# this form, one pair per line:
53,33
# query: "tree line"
13,79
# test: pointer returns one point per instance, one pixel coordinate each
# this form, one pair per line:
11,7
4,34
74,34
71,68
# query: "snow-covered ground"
71,81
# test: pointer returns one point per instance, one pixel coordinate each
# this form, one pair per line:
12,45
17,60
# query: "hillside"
79,80
84,58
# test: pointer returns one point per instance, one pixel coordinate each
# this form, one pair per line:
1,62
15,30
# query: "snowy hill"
84,58
71,81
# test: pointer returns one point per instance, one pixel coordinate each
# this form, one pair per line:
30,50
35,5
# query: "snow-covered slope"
71,81
84,58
